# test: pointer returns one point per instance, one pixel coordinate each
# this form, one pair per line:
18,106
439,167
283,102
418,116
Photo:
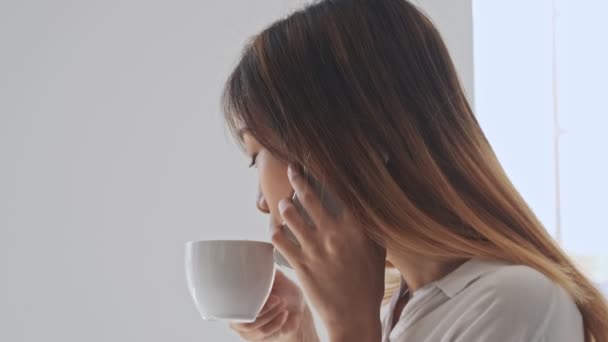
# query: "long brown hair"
340,84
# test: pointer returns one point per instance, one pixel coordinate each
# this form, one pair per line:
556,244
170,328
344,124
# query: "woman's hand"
340,268
284,317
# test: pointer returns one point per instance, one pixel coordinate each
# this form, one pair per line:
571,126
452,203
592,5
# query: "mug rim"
193,242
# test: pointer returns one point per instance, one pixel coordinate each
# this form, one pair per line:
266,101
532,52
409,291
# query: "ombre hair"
340,83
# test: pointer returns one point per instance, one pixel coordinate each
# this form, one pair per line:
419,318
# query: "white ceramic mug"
229,280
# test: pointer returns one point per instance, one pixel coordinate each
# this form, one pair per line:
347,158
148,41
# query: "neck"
418,271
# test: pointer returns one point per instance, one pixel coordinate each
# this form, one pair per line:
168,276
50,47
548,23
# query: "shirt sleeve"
520,304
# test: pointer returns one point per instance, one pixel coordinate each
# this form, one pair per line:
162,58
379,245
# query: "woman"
363,94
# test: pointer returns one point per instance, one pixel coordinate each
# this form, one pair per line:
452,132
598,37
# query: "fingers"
272,302
295,221
271,328
279,277
306,195
265,325
286,247
265,318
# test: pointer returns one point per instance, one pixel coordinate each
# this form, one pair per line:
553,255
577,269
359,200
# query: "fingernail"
292,172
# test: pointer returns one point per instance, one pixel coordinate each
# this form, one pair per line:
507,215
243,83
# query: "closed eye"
253,159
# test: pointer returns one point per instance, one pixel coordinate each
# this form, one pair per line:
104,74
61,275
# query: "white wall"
513,79
516,71
113,154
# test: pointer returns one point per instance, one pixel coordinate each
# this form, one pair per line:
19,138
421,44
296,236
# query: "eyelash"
253,160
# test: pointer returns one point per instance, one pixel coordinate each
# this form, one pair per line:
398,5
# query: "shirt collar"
457,280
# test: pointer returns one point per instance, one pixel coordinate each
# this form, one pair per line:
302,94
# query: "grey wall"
113,154
454,19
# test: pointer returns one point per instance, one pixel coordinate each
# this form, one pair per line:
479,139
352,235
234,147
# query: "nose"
261,203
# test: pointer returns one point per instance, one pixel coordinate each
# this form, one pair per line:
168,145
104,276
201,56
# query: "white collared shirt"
486,301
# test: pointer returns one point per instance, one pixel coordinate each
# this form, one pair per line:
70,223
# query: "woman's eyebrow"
242,132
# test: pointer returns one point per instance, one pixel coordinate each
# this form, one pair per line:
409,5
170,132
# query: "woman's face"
272,179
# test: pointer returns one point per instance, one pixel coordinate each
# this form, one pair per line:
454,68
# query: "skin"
323,247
